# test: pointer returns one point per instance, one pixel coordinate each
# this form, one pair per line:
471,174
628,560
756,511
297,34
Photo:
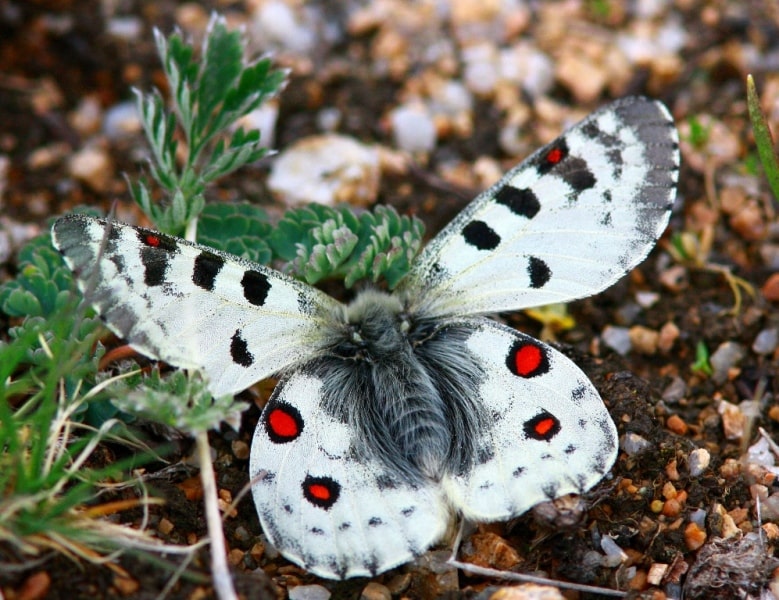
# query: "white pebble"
766,341
92,165
278,23
617,338
121,120
326,169
769,508
724,358
633,444
647,299
125,28
614,554
413,129
309,592
675,391
698,461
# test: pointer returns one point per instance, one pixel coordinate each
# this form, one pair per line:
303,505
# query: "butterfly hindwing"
564,224
190,305
548,434
324,507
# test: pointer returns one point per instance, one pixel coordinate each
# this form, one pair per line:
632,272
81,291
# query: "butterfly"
399,410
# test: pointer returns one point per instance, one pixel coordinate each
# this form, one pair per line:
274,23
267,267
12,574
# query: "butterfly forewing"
565,224
192,306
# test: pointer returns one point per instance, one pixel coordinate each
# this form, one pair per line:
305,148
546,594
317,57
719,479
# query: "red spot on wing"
554,156
320,492
544,426
152,240
283,422
527,358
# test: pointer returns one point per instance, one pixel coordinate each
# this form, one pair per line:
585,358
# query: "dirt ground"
679,528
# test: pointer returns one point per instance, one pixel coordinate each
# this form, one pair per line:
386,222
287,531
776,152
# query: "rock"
698,461
633,444
375,591
770,289
766,341
413,129
309,592
326,169
617,338
93,166
725,357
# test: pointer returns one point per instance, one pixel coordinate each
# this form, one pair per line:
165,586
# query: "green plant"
763,139
699,133
209,93
702,364
321,242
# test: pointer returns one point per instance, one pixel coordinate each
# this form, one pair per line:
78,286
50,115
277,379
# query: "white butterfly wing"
564,224
324,508
192,306
549,433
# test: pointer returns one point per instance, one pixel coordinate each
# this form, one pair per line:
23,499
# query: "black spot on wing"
522,202
539,272
157,250
480,235
576,173
207,267
255,287
239,350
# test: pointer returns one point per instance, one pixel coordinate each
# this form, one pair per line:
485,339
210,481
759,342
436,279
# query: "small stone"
617,338
527,591
633,444
615,555
235,556
643,340
676,424
669,333
240,449
724,358
257,551
87,116
35,587
122,120
769,508
770,289
375,591
127,586
674,278
647,299
413,129
766,341
126,28
581,76
656,573
694,536
309,592
675,391
490,550
93,166
165,526
733,420
326,169
698,461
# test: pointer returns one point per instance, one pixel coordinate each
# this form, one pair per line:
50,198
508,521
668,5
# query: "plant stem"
223,583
